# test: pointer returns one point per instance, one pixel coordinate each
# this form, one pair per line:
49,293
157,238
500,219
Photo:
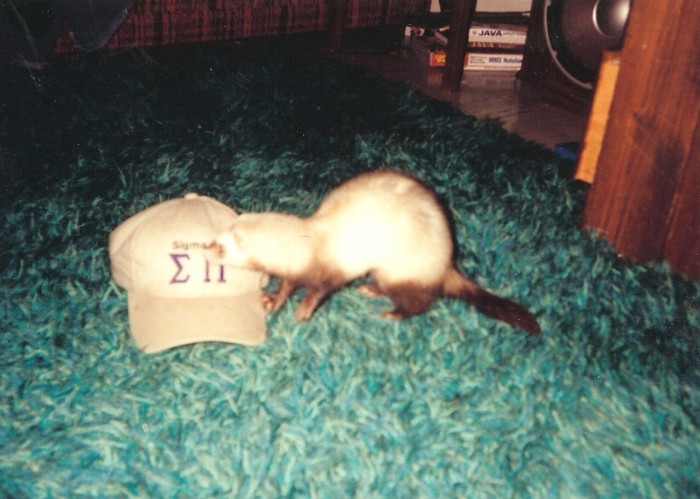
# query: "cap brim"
158,324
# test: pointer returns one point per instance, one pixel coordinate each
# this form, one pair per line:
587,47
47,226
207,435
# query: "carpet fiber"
452,403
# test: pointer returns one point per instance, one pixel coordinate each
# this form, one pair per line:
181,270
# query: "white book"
478,61
491,34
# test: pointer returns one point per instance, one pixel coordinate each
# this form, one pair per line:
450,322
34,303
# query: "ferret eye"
238,238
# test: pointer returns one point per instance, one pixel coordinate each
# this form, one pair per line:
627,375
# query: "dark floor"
519,106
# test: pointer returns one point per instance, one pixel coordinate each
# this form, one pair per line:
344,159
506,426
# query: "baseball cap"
175,295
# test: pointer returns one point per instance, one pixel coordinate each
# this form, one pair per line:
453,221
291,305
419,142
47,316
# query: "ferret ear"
237,235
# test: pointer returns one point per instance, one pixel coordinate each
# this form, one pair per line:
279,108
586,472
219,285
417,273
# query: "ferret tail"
458,286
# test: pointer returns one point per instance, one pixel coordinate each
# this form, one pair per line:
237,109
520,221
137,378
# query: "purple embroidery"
176,258
180,260
222,277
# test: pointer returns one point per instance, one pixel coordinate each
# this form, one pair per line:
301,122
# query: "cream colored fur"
384,223
388,224
279,243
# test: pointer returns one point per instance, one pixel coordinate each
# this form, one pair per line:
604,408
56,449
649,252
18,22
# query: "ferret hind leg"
409,300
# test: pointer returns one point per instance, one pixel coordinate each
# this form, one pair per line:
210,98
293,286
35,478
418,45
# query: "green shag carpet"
452,403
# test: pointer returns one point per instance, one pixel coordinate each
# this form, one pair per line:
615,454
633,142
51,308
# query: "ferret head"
227,249
267,242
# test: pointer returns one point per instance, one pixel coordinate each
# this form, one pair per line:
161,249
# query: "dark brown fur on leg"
272,302
409,300
314,297
319,286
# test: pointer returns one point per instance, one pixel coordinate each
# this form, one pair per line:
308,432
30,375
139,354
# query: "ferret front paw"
393,315
303,314
271,302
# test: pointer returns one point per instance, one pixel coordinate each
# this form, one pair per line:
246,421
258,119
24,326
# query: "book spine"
496,34
495,46
490,34
476,61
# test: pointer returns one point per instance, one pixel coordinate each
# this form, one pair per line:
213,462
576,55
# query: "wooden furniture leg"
462,15
336,24
644,197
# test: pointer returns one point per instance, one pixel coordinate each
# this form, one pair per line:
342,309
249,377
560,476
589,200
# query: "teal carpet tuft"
605,404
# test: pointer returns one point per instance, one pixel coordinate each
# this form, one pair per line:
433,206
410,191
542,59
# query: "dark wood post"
645,197
462,15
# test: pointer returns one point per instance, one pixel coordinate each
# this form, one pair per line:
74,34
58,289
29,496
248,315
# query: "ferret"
385,224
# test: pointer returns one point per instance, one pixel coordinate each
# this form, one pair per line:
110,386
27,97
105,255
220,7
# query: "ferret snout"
218,251
215,252
225,250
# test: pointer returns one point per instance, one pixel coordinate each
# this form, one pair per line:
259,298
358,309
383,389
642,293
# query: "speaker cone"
577,32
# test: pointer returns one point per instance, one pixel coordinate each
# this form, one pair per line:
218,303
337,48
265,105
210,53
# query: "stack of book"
494,44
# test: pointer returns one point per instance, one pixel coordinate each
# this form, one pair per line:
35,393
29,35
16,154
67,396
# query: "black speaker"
578,31
566,40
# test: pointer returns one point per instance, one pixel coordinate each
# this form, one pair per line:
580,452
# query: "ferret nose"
216,250
219,250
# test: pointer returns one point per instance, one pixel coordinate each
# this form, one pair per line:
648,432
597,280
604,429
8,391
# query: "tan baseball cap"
175,295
